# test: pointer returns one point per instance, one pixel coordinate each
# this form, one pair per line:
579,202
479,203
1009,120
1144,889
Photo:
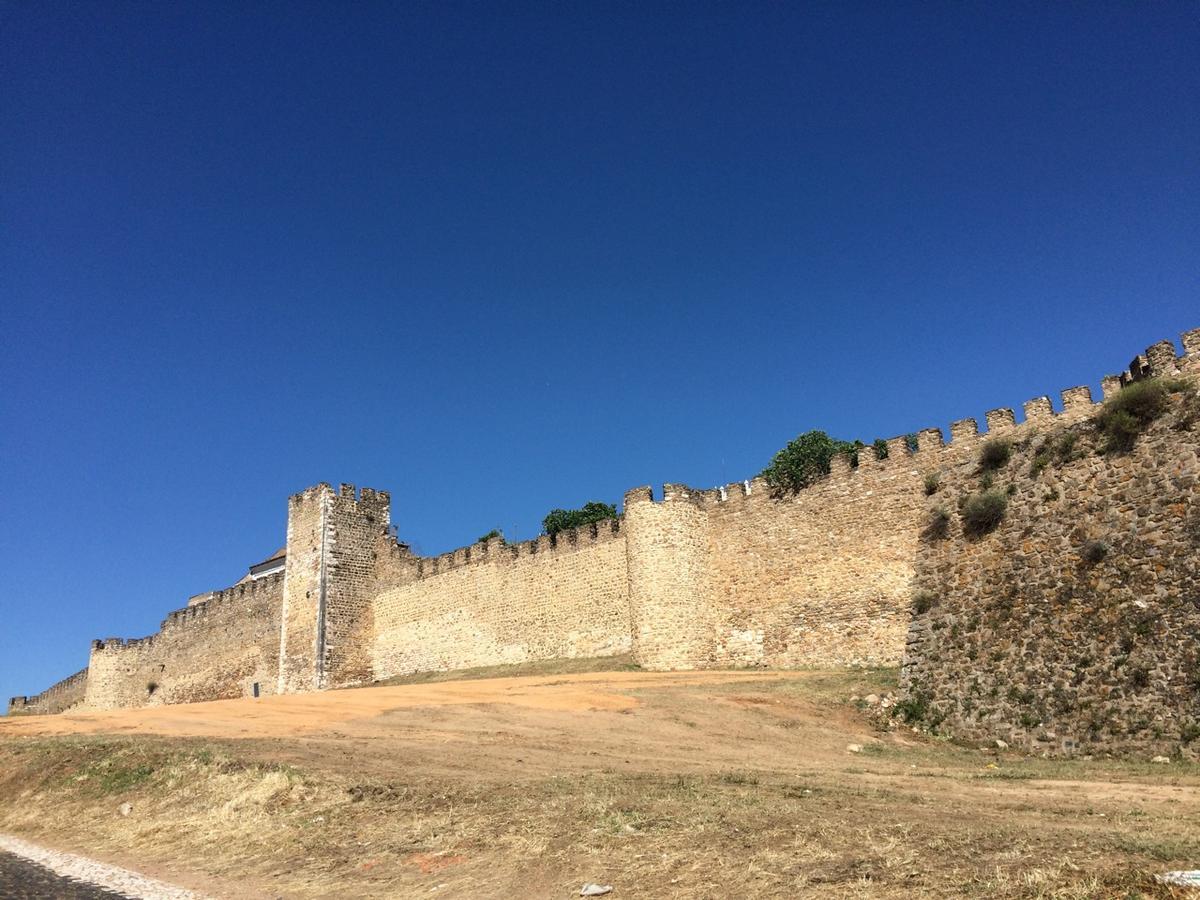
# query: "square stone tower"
332,545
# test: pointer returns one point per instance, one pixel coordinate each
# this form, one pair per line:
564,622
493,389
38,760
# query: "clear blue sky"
500,258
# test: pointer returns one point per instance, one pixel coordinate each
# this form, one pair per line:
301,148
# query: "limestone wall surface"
210,651
495,603
1074,626
821,576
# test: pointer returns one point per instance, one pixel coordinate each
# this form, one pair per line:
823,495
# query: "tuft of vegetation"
911,441
995,454
1189,731
1041,459
881,448
1065,448
913,708
1094,552
981,513
932,483
806,459
494,533
939,524
1051,495
1131,410
923,601
563,519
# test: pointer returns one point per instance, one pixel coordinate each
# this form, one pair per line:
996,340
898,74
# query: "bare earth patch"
698,784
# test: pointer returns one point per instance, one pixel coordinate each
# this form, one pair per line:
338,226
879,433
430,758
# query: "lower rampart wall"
496,603
1072,626
214,650
60,697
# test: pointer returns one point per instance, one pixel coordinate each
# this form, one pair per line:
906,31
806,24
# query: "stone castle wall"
495,603
743,576
59,697
1073,626
214,650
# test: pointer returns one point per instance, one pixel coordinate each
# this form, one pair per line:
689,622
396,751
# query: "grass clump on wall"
1130,411
981,513
995,454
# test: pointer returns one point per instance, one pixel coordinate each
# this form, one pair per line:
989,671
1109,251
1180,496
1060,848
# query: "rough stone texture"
1072,627
210,651
329,579
495,603
304,581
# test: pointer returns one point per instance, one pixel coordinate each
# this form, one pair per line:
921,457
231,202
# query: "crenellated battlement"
367,500
497,551
238,593
60,696
1038,413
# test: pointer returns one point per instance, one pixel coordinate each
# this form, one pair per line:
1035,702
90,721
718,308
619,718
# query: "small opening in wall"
254,688
151,688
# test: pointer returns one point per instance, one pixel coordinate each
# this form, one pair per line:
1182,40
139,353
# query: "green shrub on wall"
995,454
805,459
1128,412
981,513
563,519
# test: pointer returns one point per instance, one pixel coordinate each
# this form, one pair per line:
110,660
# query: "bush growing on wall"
983,512
995,454
563,519
806,459
495,532
1135,406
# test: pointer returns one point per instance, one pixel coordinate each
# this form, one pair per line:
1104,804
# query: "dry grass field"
710,784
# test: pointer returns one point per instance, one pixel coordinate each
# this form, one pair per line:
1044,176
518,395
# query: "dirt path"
708,784
298,714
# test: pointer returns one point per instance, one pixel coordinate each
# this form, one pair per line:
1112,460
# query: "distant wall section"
495,603
60,697
214,650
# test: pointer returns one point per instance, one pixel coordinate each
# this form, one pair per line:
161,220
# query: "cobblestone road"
24,880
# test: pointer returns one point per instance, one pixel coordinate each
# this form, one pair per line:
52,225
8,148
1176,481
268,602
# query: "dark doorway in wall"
255,689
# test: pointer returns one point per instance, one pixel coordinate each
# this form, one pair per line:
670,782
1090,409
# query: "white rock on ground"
80,868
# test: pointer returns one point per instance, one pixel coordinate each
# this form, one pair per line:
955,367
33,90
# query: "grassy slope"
905,817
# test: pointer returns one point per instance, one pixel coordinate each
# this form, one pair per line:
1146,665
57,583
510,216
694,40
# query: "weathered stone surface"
1073,626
